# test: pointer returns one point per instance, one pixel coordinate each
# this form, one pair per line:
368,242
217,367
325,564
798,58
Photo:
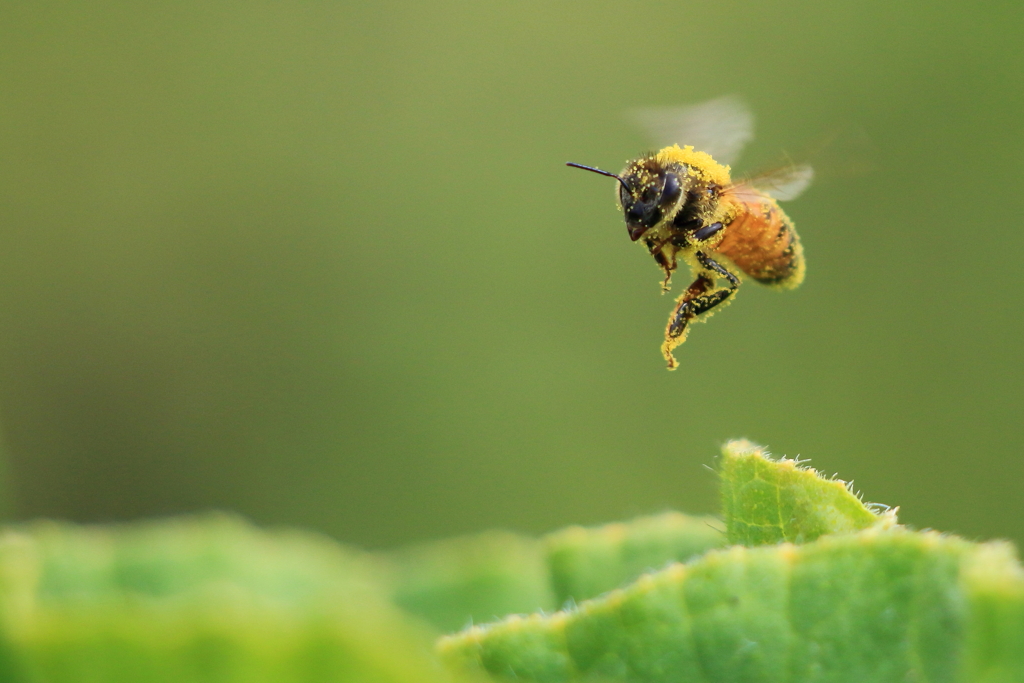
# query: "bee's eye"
671,191
624,195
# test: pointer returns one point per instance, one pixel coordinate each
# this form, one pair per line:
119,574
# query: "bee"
682,204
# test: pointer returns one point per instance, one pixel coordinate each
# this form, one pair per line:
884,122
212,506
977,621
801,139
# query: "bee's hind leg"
685,305
698,298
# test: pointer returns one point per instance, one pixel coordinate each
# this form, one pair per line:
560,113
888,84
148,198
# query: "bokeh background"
320,262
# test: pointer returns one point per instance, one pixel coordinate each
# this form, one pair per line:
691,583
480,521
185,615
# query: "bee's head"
649,192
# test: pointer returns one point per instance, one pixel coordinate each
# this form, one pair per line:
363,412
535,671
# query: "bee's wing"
783,183
720,127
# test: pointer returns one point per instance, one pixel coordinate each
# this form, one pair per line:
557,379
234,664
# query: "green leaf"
477,578
878,605
768,501
459,581
202,599
588,561
994,582
858,599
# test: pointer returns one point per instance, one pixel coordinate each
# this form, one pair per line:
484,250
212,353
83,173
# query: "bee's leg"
667,266
715,266
684,311
708,231
665,262
696,300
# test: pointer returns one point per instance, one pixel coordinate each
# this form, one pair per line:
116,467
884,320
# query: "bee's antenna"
597,170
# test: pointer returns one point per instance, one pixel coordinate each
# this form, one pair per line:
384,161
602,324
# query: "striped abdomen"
760,238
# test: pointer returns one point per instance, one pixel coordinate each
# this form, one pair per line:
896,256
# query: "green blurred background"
320,263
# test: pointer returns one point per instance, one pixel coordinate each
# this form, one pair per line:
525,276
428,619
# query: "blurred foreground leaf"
587,561
215,599
459,581
203,599
881,603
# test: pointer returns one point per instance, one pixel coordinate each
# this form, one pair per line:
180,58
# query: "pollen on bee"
699,163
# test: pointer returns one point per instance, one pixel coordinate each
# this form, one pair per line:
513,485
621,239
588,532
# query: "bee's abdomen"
761,240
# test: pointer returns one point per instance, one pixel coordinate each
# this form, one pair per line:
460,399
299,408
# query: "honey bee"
682,204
